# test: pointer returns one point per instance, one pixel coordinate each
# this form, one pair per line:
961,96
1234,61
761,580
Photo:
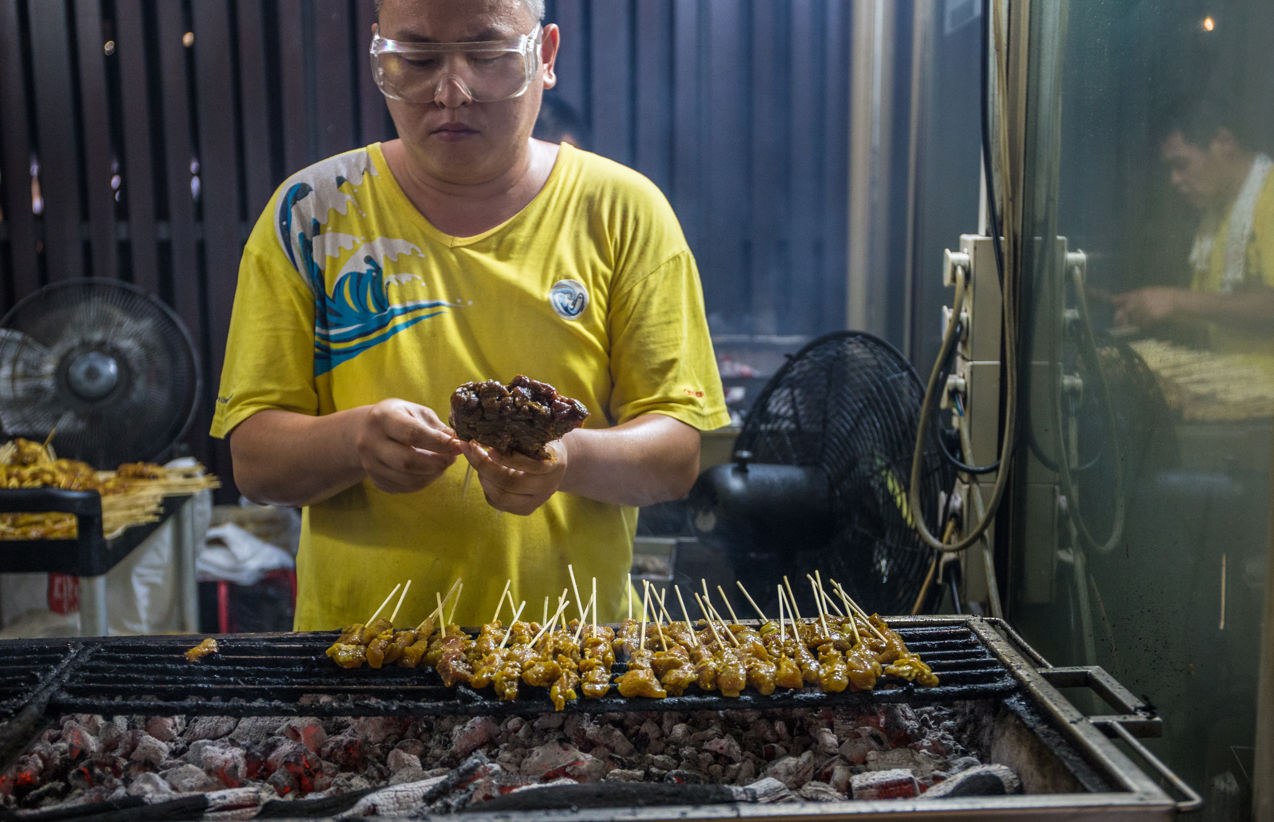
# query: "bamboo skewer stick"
713,612
708,617
792,607
818,603
858,610
593,599
641,645
579,602
548,623
658,627
401,597
499,606
659,599
583,620
752,602
372,618
441,618
782,636
826,599
853,620
517,613
451,615
728,607
689,625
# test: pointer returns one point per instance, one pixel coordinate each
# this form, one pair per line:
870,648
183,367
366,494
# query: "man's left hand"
516,483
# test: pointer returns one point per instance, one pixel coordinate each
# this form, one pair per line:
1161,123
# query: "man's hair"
1200,113
536,7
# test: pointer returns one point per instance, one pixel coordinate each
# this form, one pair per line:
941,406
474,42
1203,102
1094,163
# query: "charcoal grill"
1072,765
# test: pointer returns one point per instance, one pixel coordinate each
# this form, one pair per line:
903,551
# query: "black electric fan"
820,480
106,370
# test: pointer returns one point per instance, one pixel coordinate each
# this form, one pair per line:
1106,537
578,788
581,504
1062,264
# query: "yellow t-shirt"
1258,271
347,296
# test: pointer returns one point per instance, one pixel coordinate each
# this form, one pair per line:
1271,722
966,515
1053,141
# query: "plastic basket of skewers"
840,648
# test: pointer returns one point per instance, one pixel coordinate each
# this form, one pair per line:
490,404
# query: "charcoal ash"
438,764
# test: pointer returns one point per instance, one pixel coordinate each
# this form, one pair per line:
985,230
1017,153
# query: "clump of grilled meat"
522,416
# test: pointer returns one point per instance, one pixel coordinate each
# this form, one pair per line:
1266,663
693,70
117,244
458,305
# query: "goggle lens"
487,72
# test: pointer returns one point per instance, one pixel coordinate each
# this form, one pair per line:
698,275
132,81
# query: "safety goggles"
487,71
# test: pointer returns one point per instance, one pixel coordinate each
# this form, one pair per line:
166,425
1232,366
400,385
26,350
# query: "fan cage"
848,403
153,404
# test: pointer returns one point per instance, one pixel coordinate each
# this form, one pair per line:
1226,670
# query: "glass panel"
1143,502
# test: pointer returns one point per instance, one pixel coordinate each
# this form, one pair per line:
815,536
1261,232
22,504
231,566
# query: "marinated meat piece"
208,646
521,417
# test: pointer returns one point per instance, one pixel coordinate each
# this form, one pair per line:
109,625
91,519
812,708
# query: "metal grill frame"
1108,744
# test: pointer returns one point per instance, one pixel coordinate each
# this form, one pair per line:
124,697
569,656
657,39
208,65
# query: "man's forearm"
651,459
285,458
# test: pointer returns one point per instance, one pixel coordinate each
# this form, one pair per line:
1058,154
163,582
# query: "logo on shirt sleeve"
569,298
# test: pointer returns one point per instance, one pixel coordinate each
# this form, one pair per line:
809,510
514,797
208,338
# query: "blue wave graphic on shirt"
357,315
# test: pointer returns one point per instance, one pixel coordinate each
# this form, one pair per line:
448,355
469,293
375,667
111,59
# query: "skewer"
689,626
545,621
826,599
517,613
752,602
372,618
583,620
659,598
438,597
548,623
593,599
782,636
728,607
713,612
792,607
571,570
858,610
499,606
401,597
853,620
820,596
658,627
451,615
641,645
818,603
708,616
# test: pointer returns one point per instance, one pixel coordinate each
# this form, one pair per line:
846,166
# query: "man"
1231,295
379,280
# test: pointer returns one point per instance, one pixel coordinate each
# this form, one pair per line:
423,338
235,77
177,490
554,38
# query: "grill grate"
289,674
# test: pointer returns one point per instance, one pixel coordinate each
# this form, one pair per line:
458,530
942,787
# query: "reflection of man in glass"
1231,291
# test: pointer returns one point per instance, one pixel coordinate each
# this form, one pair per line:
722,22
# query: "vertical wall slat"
256,106
613,84
56,123
290,43
770,208
727,133
687,122
572,58
138,161
651,133
372,113
20,267
805,154
333,107
835,168
96,133
222,241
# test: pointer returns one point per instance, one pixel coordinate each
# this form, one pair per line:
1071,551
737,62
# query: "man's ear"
550,41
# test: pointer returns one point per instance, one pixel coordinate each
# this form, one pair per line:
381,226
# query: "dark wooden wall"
161,127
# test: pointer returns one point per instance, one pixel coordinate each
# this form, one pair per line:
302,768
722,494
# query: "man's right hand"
404,446
292,459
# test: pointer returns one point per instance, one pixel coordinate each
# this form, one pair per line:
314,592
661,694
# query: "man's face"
454,139
1192,169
